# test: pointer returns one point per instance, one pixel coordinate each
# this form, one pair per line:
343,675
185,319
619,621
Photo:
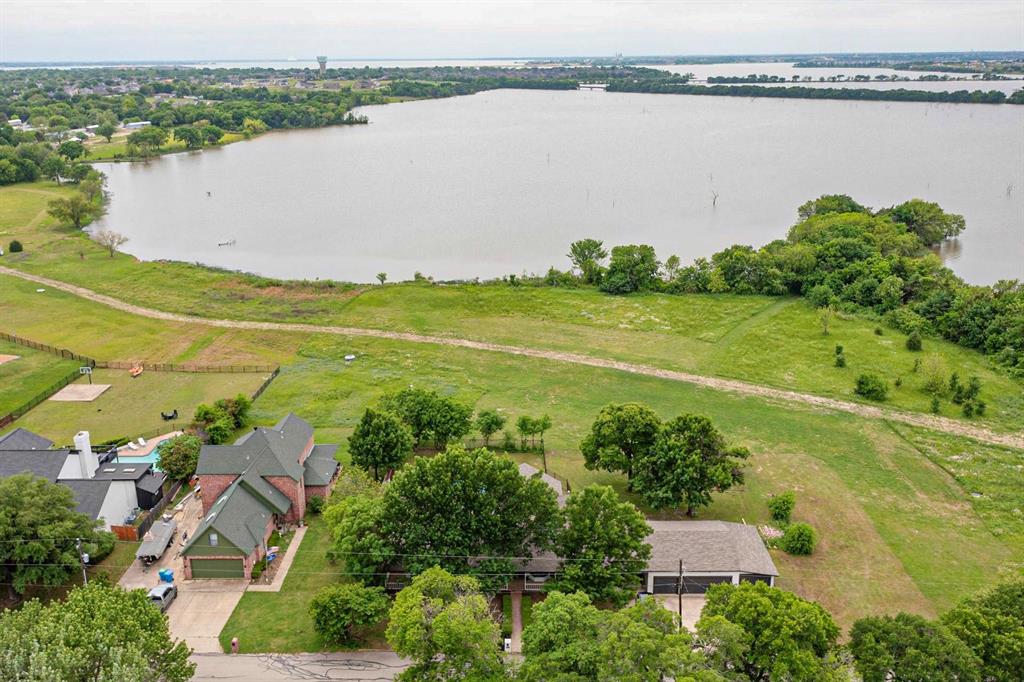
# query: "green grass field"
117,148
770,341
27,376
131,407
280,621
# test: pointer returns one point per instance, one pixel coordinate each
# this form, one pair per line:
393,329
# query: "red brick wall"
306,450
213,485
295,491
321,490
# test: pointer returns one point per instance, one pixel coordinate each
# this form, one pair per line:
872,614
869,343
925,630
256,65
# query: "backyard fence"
85,360
145,520
43,395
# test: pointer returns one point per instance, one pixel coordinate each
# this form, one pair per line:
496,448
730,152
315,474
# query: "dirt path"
942,424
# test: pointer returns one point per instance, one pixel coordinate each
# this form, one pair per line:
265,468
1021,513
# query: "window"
213,539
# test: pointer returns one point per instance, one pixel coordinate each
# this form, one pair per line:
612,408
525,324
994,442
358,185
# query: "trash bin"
166,575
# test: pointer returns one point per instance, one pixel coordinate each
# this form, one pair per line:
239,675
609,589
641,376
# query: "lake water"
500,182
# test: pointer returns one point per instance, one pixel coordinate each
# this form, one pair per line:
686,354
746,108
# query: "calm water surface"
502,181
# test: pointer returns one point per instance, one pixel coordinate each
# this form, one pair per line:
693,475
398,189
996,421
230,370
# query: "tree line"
842,256
803,92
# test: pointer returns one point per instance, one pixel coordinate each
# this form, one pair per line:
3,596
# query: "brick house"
249,488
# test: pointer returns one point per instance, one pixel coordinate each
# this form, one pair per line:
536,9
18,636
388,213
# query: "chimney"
86,459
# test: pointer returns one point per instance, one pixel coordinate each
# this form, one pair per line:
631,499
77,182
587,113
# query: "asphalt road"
367,666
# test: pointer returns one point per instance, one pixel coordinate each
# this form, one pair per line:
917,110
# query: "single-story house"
104,491
260,482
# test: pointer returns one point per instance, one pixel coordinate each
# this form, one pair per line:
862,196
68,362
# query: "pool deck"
146,449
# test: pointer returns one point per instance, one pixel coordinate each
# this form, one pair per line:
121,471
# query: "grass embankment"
894,524
27,376
117,148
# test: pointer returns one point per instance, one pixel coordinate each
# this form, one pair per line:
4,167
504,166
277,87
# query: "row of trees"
806,92
840,256
670,464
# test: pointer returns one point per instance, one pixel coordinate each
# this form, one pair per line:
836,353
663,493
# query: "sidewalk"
286,563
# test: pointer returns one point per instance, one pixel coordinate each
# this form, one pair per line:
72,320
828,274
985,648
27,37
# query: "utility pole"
679,592
81,560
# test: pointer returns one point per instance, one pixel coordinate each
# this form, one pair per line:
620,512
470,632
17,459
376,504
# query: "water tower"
323,66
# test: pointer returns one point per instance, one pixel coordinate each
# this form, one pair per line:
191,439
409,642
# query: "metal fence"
19,411
47,348
185,367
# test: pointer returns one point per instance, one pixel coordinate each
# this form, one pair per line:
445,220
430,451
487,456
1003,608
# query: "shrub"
898,382
935,405
914,341
15,246
840,361
220,431
878,331
820,296
839,349
781,506
799,539
258,568
872,387
338,609
315,504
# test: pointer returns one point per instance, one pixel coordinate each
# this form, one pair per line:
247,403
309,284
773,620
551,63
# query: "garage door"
217,568
692,584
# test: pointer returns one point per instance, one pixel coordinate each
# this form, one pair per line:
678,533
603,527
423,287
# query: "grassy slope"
776,342
33,372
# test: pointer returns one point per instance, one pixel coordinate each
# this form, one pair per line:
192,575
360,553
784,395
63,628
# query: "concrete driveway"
203,606
693,604
366,666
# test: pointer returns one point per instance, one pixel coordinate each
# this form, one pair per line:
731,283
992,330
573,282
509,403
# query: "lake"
501,182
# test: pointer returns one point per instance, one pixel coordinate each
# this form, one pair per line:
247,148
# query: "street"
367,666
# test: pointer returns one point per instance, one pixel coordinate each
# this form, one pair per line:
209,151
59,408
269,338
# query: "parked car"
163,595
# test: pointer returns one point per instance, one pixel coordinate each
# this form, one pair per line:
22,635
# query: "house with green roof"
260,482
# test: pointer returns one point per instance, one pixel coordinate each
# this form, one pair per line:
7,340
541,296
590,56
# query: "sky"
114,30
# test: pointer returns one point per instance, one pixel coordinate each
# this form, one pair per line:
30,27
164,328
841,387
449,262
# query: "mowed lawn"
31,373
280,621
893,522
132,407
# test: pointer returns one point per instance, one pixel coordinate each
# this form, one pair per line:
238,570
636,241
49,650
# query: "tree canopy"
992,625
688,461
97,633
443,623
606,540
380,442
906,648
179,457
619,435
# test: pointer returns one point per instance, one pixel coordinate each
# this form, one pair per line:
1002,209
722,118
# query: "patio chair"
132,446
142,441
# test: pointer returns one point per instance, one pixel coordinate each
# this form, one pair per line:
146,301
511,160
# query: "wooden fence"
86,361
146,519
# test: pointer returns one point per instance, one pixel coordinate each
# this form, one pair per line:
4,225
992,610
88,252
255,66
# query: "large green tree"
380,442
72,149
908,648
179,457
570,640
98,634
147,141
358,543
785,637
429,415
443,623
829,203
39,525
605,540
632,268
927,220
75,210
620,434
488,423
468,512
689,461
992,625
586,256
190,135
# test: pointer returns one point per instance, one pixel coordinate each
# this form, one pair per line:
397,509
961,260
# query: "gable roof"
263,490
274,451
239,515
708,546
44,463
22,439
321,466
90,495
122,471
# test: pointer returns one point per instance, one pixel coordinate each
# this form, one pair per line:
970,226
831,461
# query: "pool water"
123,456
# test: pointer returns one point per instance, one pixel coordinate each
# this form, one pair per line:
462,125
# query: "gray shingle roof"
529,471
90,494
117,471
320,465
263,490
274,451
152,482
708,546
44,463
238,515
22,439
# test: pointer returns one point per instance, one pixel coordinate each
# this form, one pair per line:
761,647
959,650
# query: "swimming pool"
127,456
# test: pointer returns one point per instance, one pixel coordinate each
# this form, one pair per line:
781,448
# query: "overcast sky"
97,30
